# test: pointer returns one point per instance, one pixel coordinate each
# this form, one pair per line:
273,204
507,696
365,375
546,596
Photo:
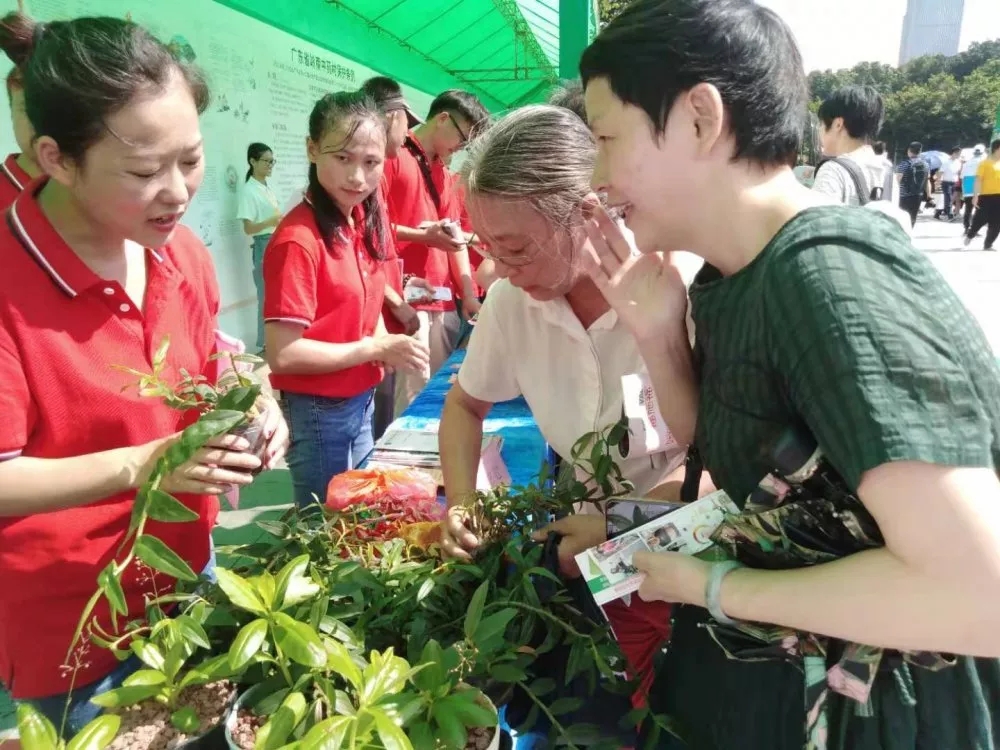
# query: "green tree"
978,55
611,8
939,101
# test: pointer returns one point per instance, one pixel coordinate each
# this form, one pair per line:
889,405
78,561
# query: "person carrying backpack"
853,174
913,184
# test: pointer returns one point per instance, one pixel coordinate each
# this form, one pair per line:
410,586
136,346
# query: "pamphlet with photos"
608,568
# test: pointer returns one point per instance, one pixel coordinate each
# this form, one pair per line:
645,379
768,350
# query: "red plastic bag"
385,489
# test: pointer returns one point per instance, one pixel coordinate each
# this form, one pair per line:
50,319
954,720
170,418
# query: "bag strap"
856,176
693,467
425,171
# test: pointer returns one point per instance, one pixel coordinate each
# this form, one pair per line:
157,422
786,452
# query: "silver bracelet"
713,588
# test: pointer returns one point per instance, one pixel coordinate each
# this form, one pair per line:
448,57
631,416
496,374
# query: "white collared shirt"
570,376
257,203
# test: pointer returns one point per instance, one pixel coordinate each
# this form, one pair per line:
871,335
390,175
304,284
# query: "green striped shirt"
841,326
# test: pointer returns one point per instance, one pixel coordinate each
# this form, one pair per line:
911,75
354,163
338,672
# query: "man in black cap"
400,119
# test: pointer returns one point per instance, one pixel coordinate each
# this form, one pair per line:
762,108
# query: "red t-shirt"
411,204
334,292
62,331
475,259
393,266
13,180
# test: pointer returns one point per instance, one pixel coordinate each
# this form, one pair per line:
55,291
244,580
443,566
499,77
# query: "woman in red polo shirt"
97,271
324,283
17,170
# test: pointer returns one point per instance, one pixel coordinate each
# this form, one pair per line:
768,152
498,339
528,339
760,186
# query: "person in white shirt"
546,333
260,212
950,170
968,176
849,123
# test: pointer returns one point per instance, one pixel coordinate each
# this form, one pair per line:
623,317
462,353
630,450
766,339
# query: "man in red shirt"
425,215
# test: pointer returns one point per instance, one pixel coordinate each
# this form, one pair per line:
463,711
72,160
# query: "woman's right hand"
457,539
401,352
214,470
646,291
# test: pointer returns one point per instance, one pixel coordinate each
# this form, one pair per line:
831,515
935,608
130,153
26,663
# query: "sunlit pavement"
972,272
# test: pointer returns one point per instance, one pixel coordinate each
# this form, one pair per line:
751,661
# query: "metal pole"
574,35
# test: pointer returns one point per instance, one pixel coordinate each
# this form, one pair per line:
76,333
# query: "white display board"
264,83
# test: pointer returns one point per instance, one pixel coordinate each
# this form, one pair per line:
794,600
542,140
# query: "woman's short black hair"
861,108
78,73
657,49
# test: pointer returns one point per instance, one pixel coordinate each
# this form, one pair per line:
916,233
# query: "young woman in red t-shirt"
97,271
324,283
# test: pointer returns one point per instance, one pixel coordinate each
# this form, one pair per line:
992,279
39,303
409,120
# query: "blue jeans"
328,437
259,243
81,711
947,193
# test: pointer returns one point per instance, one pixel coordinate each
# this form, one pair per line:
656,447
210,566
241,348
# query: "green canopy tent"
508,52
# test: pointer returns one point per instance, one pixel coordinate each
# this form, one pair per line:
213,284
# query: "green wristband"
713,588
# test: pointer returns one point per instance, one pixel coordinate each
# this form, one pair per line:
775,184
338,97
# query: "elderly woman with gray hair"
546,333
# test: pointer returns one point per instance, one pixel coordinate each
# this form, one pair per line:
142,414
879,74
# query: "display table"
523,448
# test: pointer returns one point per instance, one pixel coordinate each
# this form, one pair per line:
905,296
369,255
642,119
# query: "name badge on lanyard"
647,431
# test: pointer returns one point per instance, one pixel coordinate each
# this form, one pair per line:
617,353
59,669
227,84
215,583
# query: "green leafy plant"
485,624
36,732
223,408
165,646
318,683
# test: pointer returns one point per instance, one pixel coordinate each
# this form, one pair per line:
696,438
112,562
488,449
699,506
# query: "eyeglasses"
521,259
464,139
267,161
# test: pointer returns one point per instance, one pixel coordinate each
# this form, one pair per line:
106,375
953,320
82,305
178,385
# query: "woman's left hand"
672,577
275,432
579,532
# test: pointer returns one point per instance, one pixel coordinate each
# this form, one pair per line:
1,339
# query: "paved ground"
974,273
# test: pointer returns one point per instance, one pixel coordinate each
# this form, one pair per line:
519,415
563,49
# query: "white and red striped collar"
40,239
13,172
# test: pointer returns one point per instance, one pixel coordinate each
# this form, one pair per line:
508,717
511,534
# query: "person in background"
546,333
914,186
425,214
849,121
324,283
260,213
968,175
97,272
986,198
21,168
950,170
569,96
698,107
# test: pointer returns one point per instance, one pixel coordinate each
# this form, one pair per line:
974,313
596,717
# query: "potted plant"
230,405
322,685
500,616
180,695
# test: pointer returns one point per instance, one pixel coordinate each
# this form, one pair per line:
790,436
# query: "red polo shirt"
62,328
334,292
12,180
411,204
393,267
